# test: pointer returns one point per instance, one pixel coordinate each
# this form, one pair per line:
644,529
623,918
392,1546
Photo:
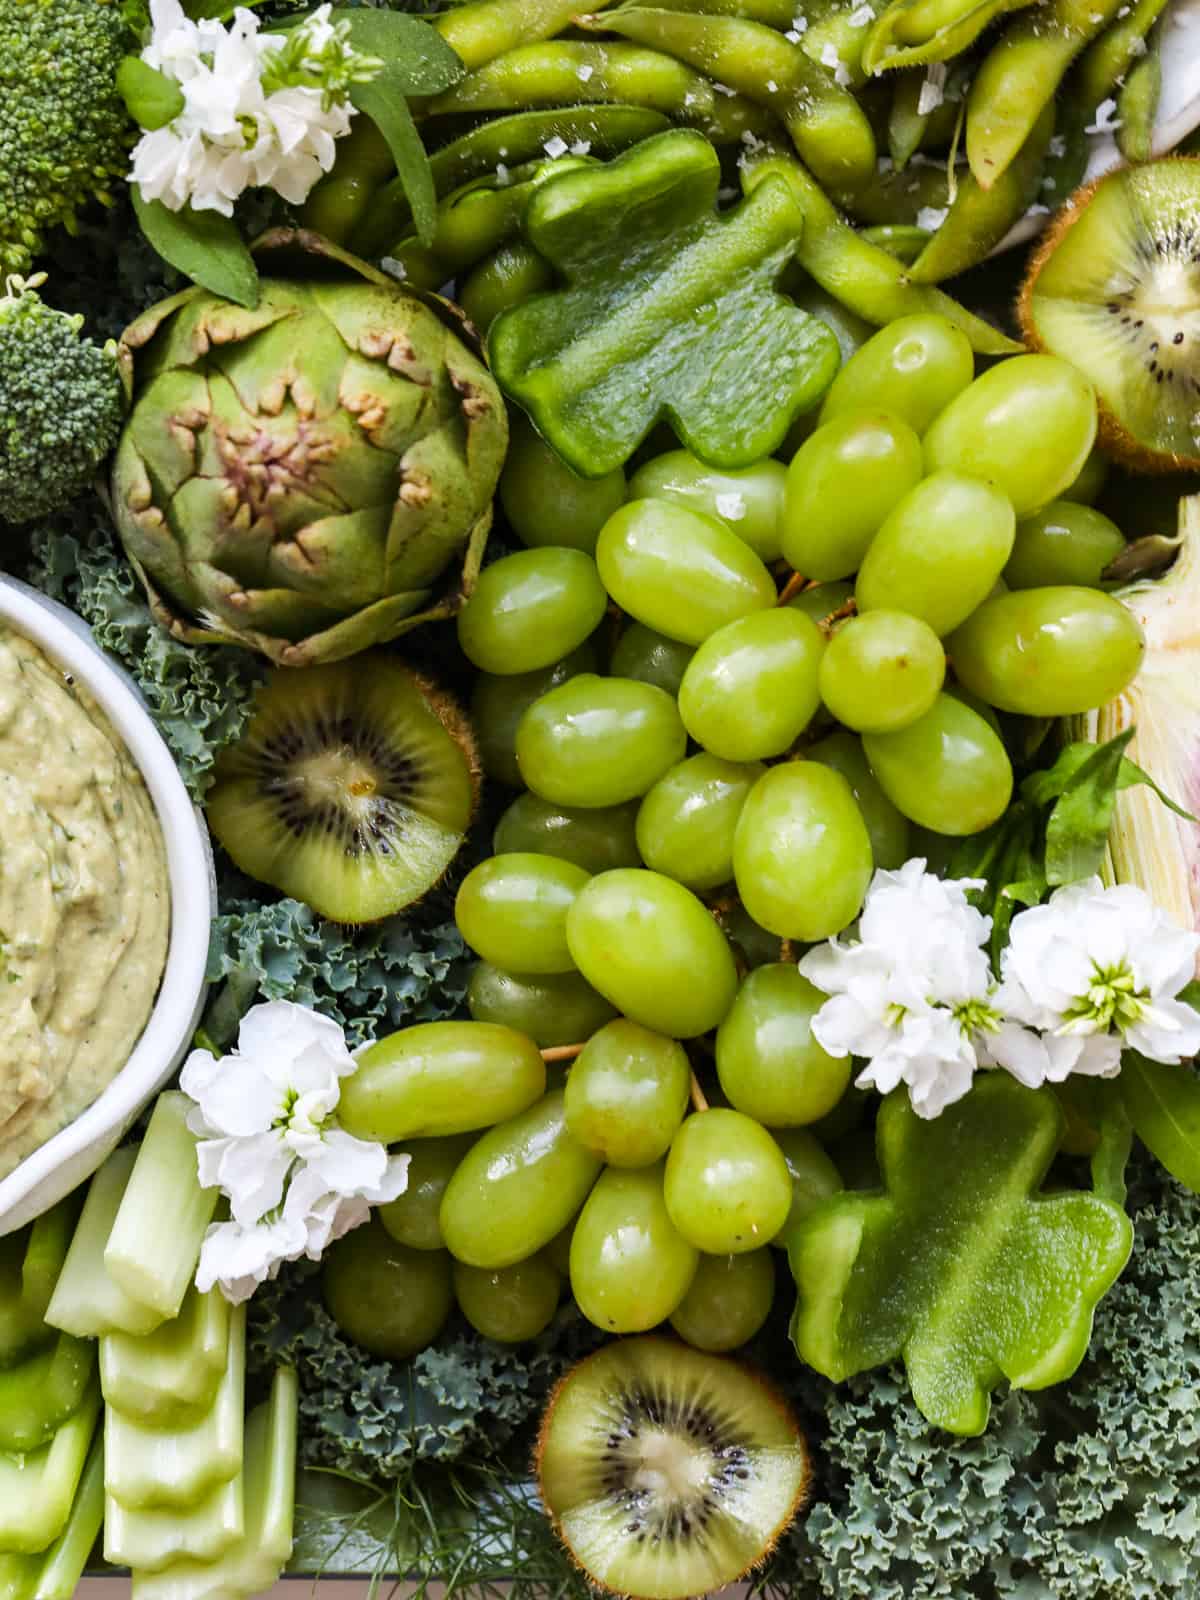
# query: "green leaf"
1131,775
417,60
388,110
959,1266
151,98
1163,1103
1077,827
204,246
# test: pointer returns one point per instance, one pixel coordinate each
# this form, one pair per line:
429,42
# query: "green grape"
822,600
841,484
728,1302
654,950
751,688
726,1185
595,838
1064,542
1027,425
629,1266
754,945
548,504
498,704
626,1094
886,828
769,1064
530,609
412,1218
948,772
558,1251
512,911
1092,475
551,1007
516,1187
912,368
680,573
881,671
385,1297
802,854
650,657
813,1174
686,823
747,499
940,552
440,1078
1049,652
599,741
508,1304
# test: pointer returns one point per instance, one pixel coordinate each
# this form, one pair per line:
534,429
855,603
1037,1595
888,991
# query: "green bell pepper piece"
38,1488
38,1396
169,1377
668,311
958,1266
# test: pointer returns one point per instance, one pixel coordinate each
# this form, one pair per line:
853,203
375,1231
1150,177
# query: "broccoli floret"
60,404
64,129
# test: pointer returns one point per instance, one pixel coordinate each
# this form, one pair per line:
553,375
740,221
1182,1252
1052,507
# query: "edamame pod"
1137,104
481,30
906,120
339,200
905,241
911,33
898,196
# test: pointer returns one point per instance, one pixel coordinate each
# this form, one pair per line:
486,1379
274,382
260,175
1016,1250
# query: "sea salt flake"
772,86
1038,210
930,218
861,15
584,73
1058,147
394,268
581,147
555,147
933,89
829,56
723,88
731,506
1106,121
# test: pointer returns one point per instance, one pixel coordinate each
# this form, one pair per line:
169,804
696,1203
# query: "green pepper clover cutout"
959,1266
668,310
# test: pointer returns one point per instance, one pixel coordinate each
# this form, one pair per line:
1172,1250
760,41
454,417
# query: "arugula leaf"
1163,1103
203,245
1077,827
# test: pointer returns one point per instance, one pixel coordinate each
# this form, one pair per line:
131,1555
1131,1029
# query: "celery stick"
49,1241
21,1326
155,1241
255,1562
148,1541
87,1301
38,1489
38,1396
148,1467
19,1576
169,1377
63,1564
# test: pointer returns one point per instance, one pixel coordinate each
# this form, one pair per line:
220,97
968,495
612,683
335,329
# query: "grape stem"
848,609
562,1052
787,950
699,1103
792,588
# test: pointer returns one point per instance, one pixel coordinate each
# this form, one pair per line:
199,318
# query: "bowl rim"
66,1155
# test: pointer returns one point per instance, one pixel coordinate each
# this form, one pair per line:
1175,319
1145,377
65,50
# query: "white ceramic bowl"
72,1155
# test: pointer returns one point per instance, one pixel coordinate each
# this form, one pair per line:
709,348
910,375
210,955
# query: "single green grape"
912,368
940,552
551,1007
512,911
389,1299
530,609
652,948
813,1173
627,1092
440,1078
508,1304
887,829
680,573
1049,652
412,1218
650,657
516,1187
726,1185
548,504
686,823
598,741
508,277
822,600
630,1267
948,771
841,484
769,1064
802,854
751,688
746,499
595,838
1064,542
728,1302
881,671
498,704
1092,476
1027,425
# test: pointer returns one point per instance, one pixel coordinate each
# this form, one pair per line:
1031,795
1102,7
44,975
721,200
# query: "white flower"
269,1140
1098,970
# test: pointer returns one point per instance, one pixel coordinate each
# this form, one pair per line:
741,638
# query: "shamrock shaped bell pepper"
959,1266
668,310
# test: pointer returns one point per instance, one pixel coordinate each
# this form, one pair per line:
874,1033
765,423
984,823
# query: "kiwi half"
351,788
668,1472
1115,289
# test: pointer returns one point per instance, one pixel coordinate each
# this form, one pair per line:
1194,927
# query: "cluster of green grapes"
640,913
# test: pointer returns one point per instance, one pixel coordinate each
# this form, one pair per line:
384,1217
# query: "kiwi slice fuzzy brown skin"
1114,288
668,1472
351,788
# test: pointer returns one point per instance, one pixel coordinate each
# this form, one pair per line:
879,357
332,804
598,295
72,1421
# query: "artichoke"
296,478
